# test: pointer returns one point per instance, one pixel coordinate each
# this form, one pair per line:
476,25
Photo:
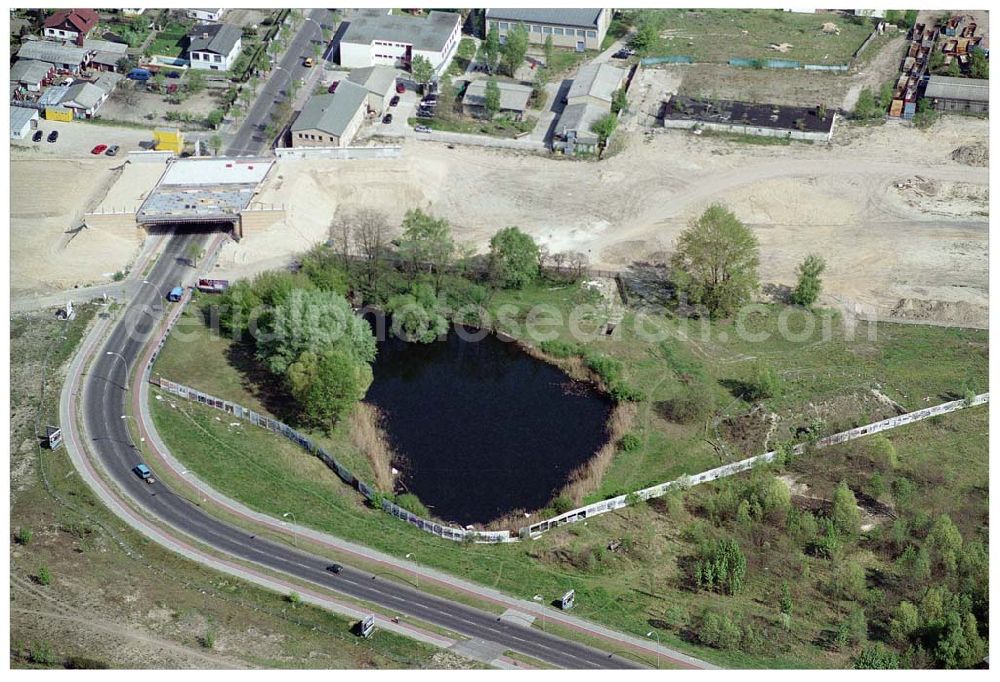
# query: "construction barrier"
668,59
58,114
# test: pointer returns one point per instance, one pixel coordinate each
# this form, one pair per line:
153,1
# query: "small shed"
22,121
513,98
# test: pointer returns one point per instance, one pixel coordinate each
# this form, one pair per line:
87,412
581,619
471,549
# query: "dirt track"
882,243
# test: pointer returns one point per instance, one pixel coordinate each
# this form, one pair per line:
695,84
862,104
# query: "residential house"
596,84
105,55
70,24
579,29
947,93
206,14
380,82
573,132
22,120
64,57
331,120
32,74
513,98
214,46
84,99
375,37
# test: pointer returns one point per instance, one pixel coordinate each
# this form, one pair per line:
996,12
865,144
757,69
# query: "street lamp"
285,516
156,301
122,358
415,573
650,634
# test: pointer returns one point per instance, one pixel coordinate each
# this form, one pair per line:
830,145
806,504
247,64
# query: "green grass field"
826,374
718,35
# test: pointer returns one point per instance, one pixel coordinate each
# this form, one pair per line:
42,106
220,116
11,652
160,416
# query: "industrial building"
513,98
376,37
967,95
331,120
579,29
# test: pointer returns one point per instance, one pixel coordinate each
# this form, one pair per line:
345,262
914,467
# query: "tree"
422,70
647,33
845,514
848,581
605,126
718,631
215,143
426,240
195,81
716,261
326,384
415,315
763,383
315,321
979,64
785,602
904,623
515,49
215,117
722,567
852,630
945,542
43,577
194,253
867,107
953,69
809,285
124,65
876,657
513,258
548,50
619,100
491,99
491,48
371,230
696,403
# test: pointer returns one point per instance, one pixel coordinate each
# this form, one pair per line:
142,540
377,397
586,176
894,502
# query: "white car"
421,129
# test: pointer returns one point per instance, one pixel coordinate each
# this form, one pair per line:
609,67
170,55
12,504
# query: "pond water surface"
482,428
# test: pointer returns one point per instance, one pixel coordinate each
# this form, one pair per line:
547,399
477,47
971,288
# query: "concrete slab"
517,618
479,650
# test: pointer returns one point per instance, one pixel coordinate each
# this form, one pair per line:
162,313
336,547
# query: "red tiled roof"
81,19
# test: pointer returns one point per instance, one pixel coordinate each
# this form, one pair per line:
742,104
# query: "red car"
400,88
333,86
99,149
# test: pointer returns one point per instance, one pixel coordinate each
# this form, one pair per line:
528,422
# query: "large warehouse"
946,93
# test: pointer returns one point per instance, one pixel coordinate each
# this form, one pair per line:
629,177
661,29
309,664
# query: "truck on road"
175,294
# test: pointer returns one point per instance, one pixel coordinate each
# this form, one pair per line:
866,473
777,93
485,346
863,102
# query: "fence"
745,62
743,129
668,59
342,153
661,489
263,421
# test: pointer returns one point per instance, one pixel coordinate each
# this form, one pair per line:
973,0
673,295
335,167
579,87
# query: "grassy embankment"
112,598
646,581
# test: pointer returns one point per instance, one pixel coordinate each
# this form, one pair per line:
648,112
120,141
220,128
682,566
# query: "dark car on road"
173,74
400,88
624,53
394,101
335,568
53,136
37,137
387,118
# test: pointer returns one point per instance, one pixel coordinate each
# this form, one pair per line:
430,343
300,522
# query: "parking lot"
77,138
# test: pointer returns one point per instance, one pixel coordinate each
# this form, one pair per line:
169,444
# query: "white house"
214,46
84,99
206,14
21,122
377,38
70,24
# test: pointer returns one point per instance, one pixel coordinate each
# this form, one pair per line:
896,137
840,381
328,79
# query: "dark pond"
482,428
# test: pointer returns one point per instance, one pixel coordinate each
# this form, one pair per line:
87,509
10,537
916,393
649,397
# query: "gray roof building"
332,113
53,96
105,46
577,18
576,121
375,79
216,38
84,96
20,119
428,33
513,96
948,87
48,51
596,80
29,71
108,80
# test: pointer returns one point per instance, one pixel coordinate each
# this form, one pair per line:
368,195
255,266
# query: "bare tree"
543,256
340,237
559,260
371,232
578,262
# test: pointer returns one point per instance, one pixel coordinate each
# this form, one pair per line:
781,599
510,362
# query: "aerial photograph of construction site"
499,338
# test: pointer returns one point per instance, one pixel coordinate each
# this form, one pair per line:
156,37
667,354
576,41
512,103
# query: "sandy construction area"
48,198
898,220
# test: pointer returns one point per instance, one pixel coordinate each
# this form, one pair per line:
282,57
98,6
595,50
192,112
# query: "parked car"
112,150
335,568
139,74
429,99
99,149
387,118
37,137
425,114
333,86
400,88
308,63
394,101
173,74
421,129
53,136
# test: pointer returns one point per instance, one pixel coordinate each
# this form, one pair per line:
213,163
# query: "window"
591,34
536,29
557,31
547,29
502,25
580,32
218,58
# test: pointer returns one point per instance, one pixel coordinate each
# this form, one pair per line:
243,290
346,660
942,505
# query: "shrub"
695,404
562,504
845,515
208,640
412,503
41,653
629,442
560,349
722,567
23,536
876,657
43,577
718,631
852,630
764,383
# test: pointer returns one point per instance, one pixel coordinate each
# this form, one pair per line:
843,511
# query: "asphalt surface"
250,137
104,404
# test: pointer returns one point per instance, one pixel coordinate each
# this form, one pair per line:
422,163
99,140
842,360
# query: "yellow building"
169,139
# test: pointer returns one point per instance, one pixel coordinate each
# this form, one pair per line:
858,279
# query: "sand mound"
972,155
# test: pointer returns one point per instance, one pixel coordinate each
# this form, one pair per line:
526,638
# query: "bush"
764,383
876,657
695,404
718,631
560,349
43,577
293,598
562,504
41,653
629,442
23,536
852,630
412,503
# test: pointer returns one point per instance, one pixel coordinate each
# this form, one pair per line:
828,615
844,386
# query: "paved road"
250,138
